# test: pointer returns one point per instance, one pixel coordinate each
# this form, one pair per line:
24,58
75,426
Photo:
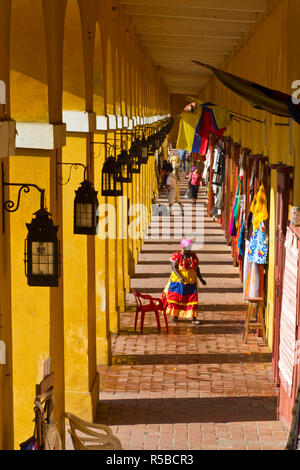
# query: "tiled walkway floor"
199,387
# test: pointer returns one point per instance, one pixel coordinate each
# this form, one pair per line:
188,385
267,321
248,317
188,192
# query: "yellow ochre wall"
268,57
67,55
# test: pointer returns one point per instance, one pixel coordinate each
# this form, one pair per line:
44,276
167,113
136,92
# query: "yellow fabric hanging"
259,207
222,116
186,134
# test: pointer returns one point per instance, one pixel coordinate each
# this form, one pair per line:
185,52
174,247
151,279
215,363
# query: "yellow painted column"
6,379
120,202
124,225
56,301
6,370
30,306
79,351
103,336
114,312
131,243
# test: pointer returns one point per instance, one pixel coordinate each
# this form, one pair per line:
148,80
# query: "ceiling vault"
175,32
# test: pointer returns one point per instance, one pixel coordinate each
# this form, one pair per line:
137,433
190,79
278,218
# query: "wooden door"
282,214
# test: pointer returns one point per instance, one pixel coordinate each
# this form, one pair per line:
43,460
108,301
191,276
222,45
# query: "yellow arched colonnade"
74,75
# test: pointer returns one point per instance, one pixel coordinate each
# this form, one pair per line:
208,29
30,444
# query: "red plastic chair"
154,305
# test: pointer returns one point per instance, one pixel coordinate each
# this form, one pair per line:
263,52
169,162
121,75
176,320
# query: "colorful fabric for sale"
258,246
259,207
207,124
186,133
235,211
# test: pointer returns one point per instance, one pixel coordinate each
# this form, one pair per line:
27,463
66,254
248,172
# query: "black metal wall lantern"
42,266
41,254
144,150
85,219
135,156
125,167
111,178
85,209
151,145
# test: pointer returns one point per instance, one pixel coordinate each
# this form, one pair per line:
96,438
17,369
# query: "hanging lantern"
125,167
42,251
111,178
157,141
85,209
151,145
135,156
144,150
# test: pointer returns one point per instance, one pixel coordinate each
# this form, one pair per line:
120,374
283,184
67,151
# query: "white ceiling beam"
142,22
184,13
186,40
185,32
179,49
259,6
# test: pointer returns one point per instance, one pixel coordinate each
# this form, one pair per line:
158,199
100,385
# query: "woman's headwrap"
187,243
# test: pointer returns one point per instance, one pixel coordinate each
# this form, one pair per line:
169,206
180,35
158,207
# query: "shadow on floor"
208,290
186,410
212,358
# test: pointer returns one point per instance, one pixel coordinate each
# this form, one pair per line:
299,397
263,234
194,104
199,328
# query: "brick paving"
200,386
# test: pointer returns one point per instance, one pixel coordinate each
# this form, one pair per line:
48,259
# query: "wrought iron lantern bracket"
11,206
59,179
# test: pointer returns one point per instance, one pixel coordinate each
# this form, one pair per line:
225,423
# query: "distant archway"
99,82
28,62
117,85
73,62
109,80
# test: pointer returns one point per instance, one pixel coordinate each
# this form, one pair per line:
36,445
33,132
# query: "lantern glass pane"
84,215
43,258
144,152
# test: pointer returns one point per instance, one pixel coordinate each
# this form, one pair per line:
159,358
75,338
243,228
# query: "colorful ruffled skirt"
181,300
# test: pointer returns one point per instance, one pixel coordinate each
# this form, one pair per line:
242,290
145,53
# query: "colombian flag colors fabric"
194,128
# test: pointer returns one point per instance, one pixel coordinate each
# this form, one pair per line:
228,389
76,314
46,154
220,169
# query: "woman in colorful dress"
181,293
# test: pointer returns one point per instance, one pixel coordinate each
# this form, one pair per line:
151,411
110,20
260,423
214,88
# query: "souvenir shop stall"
238,184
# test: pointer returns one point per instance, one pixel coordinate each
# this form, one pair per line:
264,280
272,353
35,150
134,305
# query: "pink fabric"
195,179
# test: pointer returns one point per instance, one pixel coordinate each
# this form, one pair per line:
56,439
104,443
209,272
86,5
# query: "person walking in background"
175,162
173,189
195,180
180,296
189,162
182,158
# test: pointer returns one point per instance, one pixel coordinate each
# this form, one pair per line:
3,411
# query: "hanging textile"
205,174
218,180
208,124
258,247
235,211
251,278
186,133
260,97
287,345
259,207
219,166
